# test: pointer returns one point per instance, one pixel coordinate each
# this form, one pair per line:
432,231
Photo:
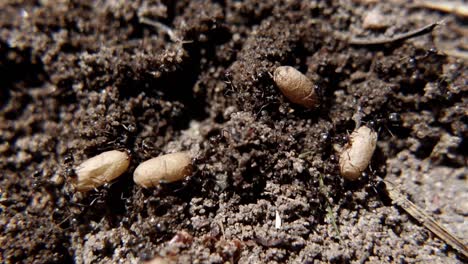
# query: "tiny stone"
374,20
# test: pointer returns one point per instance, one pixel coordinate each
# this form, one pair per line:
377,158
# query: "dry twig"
457,8
456,53
398,38
172,35
429,222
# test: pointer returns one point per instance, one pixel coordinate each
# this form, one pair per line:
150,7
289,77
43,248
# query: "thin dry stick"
430,223
161,26
397,38
457,8
456,53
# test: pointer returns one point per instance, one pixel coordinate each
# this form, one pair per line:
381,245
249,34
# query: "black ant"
217,138
391,120
70,173
68,161
123,134
99,195
430,52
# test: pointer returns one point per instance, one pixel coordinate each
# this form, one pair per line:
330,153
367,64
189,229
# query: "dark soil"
81,77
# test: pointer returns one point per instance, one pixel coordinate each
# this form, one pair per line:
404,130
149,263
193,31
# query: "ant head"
218,137
70,173
228,75
374,182
120,136
376,123
68,158
392,119
341,139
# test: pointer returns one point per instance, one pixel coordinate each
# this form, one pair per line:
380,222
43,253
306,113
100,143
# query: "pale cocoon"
101,169
357,154
166,168
296,86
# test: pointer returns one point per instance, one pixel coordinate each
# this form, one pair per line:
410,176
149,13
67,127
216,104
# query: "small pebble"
357,154
100,169
374,20
158,260
166,168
